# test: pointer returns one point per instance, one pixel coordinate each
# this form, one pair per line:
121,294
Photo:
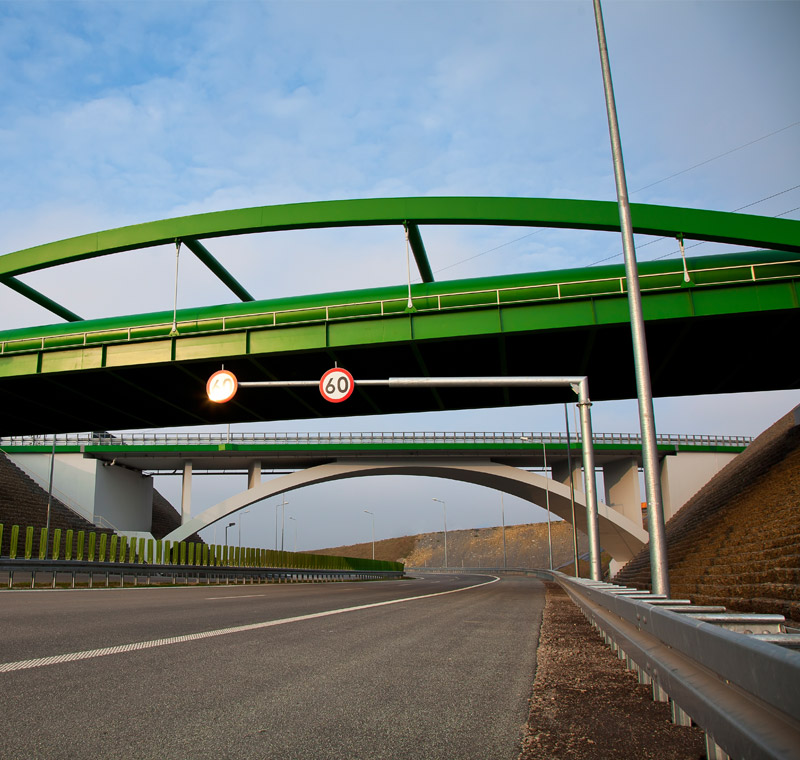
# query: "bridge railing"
378,438
455,300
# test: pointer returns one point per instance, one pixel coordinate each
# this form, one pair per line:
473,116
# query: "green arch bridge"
724,323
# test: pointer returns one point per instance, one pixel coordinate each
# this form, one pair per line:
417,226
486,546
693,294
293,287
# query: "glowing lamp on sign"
222,386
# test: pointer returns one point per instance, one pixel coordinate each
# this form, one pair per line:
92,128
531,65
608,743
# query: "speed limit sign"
222,386
336,385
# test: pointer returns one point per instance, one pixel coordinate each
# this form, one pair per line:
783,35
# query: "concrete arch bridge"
507,462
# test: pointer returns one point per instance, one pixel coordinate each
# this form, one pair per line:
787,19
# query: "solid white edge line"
9,667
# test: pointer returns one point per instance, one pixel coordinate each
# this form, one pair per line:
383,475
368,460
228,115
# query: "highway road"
435,667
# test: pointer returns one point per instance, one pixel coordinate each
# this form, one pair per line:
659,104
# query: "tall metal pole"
50,488
571,492
547,498
590,483
503,519
659,569
444,512
373,532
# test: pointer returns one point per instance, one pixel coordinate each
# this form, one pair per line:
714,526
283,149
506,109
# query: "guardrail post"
679,716
714,751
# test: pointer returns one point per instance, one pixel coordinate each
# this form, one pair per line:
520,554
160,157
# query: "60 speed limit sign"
336,385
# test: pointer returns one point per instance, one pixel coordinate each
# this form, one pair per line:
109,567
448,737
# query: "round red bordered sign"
222,386
336,385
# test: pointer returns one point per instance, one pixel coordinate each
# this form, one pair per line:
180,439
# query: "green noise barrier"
122,549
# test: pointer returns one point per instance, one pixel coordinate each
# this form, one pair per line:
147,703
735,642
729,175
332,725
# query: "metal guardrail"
493,297
365,438
173,574
741,688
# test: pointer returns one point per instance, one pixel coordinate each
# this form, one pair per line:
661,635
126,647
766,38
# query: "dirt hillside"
526,546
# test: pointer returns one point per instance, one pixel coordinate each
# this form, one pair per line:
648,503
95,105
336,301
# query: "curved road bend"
444,676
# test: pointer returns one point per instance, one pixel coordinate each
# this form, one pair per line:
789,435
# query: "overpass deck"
164,453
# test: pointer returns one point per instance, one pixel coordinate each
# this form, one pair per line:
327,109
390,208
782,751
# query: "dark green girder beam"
37,297
668,221
202,253
420,254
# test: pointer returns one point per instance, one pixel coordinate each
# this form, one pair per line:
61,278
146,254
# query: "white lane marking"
8,667
235,596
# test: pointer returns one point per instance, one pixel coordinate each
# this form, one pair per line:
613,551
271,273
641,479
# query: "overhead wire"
645,187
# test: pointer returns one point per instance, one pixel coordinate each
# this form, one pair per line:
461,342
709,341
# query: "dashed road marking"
9,667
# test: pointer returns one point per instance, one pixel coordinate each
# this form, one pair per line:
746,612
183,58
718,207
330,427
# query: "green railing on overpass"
556,286
74,441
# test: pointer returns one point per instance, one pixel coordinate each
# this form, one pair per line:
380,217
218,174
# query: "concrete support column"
560,470
623,492
253,474
186,493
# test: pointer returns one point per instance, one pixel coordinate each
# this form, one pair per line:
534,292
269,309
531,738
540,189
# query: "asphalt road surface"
279,671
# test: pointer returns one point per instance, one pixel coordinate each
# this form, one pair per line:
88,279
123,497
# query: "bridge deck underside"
732,337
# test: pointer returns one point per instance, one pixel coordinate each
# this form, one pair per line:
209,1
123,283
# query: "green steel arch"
695,224
722,330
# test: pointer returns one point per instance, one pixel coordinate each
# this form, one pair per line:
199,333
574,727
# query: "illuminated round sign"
222,386
336,385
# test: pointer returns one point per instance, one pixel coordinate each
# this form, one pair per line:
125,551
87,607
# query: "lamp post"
295,532
444,511
282,505
659,567
229,525
547,499
503,520
373,531
241,515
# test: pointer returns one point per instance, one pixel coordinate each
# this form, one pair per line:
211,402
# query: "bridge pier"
623,491
186,492
253,474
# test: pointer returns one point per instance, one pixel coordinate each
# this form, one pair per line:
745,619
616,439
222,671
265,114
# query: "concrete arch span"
619,536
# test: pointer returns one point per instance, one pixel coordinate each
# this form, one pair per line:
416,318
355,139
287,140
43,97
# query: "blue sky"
113,113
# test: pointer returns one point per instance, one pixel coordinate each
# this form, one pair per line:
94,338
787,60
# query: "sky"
116,113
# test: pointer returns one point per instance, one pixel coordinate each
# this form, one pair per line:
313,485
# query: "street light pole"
229,525
373,532
283,519
295,532
444,510
503,520
241,515
547,497
659,568
571,492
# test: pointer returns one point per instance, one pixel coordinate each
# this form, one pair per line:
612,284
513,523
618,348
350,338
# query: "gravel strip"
586,706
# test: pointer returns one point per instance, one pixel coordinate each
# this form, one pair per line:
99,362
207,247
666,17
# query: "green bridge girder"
728,329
